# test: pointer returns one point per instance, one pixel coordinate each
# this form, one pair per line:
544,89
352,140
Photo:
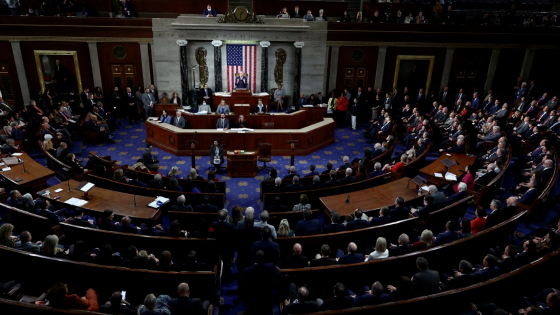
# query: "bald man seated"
184,304
296,260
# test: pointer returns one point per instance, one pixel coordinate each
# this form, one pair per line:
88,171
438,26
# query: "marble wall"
200,32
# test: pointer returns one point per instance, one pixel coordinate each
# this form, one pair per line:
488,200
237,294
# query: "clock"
119,52
241,14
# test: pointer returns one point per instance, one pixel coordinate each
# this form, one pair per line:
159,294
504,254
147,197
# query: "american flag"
242,58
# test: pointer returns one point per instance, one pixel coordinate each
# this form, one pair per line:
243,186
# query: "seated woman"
59,298
71,161
48,145
381,250
211,187
400,165
105,256
165,118
153,306
139,166
174,172
470,173
165,263
284,229
174,185
6,237
303,204
426,241
479,223
345,17
106,222
236,215
193,175
175,230
50,247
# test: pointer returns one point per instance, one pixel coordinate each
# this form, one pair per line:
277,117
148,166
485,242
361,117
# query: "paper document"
87,187
76,202
438,174
450,176
72,121
425,188
6,168
448,154
17,154
158,202
204,112
58,190
307,106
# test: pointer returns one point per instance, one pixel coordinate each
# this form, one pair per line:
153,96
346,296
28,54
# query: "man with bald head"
352,257
184,304
298,301
296,260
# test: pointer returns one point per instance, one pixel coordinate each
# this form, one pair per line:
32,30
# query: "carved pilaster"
264,66
217,64
184,71
297,72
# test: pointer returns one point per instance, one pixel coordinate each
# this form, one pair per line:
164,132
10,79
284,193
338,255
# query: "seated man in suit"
151,228
292,173
426,281
181,206
335,225
125,227
296,260
461,278
340,300
333,181
375,296
345,163
9,147
403,246
348,179
487,177
352,257
77,219
358,221
399,212
316,183
298,301
462,193
184,304
448,236
26,244
193,264
427,208
497,215
531,194
179,121
377,170
295,185
312,171
205,108
206,207
270,248
241,82
277,186
383,217
508,261
329,167
260,108
117,305
15,199
223,122
458,147
488,270
325,260
308,226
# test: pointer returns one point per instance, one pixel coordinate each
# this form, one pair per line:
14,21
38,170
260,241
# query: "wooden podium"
242,164
240,97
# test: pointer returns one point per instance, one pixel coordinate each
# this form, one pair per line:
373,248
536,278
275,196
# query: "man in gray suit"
241,222
264,222
204,108
439,197
149,101
25,243
222,123
179,121
502,114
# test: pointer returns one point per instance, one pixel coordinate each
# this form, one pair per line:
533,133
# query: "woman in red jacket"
58,297
341,110
479,223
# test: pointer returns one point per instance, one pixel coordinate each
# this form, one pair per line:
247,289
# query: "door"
355,77
122,76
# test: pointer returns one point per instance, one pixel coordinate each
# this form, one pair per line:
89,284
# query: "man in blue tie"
475,102
223,122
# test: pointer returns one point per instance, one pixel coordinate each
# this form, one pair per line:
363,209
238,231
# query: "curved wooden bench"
486,192
63,171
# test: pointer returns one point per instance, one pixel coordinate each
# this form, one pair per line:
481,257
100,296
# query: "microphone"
290,136
69,190
348,199
193,135
23,164
135,201
407,183
456,161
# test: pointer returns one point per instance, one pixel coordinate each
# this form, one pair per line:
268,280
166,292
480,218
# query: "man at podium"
241,82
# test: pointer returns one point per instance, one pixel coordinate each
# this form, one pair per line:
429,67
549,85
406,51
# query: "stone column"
145,59
217,65
184,72
264,66
95,69
22,78
297,72
446,69
154,74
380,69
492,69
333,69
527,64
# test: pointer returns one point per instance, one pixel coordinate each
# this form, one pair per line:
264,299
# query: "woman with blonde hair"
284,229
153,306
139,166
426,241
380,251
174,172
48,145
193,175
50,247
6,237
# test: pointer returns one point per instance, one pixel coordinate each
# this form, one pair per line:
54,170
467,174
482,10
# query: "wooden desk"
315,113
33,181
122,204
239,97
242,165
242,109
177,141
437,167
371,198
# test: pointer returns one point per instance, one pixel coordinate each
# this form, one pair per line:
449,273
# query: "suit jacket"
380,220
243,238
295,261
461,96
356,224
148,159
81,222
370,299
295,187
399,213
455,197
147,98
445,98
445,237
351,259
308,227
323,262
260,109
459,281
186,305
495,218
486,178
425,282
270,249
507,264
529,196
28,247
485,274
211,11
439,200
179,124
344,166
332,183
301,308
348,180
400,250
222,124
257,283
336,303
333,228
220,152
291,176
209,208
224,235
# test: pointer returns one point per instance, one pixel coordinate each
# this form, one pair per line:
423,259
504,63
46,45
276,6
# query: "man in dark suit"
184,304
179,121
209,12
243,237
297,260
399,212
345,164
206,207
241,82
427,208
308,226
325,260
77,219
358,222
488,176
339,301
257,284
335,225
448,236
125,227
508,261
223,232
460,96
223,122
295,185
462,193
403,246
84,96
460,279
270,248
217,153
352,257
277,205
151,228
25,243
277,186
301,101
445,97
298,301
333,181
375,296
420,99
530,195
292,173
377,170
147,157
349,178
497,215
316,183
329,167
117,305
426,281
206,94
488,271
312,171
131,105
383,217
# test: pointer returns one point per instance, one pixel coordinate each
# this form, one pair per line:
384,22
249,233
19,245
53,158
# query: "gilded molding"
444,45
76,39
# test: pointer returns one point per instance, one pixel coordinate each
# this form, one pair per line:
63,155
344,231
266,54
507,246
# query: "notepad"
17,154
425,188
58,190
76,202
87,187
438,174
6,169
450,176
158,202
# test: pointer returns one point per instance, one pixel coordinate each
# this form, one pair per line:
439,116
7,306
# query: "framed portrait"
59,71
414,72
